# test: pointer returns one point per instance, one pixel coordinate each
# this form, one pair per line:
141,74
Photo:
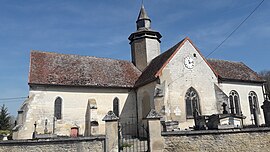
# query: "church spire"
145,42
143,21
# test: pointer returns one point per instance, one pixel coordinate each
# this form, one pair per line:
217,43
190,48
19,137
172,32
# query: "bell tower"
145,42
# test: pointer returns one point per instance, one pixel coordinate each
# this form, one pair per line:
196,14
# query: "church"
72,91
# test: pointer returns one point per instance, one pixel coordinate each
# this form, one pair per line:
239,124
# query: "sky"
101,28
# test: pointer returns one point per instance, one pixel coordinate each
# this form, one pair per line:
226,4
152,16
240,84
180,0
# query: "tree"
266,76
4,118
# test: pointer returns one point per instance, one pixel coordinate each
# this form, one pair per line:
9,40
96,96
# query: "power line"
235,29
15,98
224,39
10,101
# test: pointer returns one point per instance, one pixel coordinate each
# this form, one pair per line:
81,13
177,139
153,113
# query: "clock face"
189,62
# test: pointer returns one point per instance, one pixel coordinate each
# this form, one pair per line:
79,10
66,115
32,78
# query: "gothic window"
234,103
116,106
192,102
253,102
58,108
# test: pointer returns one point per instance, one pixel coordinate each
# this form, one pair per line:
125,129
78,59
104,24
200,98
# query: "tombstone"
266,112
200,121
229,121
213,122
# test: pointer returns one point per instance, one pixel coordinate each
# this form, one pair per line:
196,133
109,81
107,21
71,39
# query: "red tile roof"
59,69
238,71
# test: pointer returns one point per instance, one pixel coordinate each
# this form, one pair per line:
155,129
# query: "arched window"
234,103
192,102
116,106
58,108
253,102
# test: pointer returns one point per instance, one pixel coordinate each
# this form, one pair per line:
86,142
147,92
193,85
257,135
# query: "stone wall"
178,79
85,144
40,106
256,139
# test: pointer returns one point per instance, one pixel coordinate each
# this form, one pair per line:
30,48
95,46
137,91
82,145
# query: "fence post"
111,130
154,125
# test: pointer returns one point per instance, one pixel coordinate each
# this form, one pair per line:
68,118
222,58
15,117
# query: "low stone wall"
252,139
82,144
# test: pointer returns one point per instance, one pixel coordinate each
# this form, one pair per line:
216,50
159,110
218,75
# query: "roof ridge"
224,60
79,55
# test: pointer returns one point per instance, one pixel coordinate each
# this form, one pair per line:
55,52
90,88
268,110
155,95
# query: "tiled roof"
59,69
234,70
225,70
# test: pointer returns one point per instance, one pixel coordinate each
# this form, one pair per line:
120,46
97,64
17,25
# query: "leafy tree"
4,118
266,75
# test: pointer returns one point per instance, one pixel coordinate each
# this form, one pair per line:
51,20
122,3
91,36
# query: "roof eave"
84,86
145,83
239,80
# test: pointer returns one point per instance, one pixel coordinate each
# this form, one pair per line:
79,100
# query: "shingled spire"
143,21
145,42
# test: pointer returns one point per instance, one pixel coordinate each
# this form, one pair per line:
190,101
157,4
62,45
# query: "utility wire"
2,99
235,29
10,101
224,39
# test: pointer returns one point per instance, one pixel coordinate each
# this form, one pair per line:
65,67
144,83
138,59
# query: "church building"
72,91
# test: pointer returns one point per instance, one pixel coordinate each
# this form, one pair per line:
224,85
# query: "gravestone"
266,112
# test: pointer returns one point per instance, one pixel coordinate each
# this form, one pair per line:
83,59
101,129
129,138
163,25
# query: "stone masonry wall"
86,144
255,140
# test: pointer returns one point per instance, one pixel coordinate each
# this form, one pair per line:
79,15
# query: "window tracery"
234,103
192,102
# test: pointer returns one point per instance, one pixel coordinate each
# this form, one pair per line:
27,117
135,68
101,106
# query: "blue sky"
101,28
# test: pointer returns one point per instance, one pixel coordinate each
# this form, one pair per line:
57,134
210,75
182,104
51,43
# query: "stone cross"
224,105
